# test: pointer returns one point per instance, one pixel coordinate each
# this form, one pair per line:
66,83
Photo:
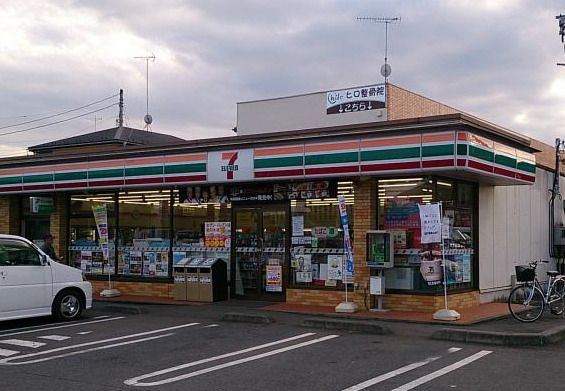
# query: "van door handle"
3,274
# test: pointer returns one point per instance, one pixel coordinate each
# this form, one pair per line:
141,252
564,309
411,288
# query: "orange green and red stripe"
352,156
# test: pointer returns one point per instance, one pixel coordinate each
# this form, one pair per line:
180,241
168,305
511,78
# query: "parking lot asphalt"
498,330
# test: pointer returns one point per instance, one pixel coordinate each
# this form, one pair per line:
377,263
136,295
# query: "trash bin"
213,280
192,283
179,276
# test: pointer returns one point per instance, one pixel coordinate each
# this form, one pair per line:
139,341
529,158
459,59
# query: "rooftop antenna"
561,19
148,118
385,68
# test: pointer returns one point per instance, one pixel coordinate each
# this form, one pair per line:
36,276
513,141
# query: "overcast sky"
495,59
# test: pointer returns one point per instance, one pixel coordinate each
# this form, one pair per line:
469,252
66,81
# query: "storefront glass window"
35,217
202,226
144,233
317,249
398,213
85,250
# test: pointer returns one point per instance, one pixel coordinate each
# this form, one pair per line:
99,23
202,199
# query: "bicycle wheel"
557,298
526,303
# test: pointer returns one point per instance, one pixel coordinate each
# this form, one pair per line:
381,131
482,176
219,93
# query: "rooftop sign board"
352,100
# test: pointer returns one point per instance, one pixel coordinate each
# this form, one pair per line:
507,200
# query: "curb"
125,309
247,318
548,337
347,325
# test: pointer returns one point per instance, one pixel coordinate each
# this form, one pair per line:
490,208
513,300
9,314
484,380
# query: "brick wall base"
431,303
314,297
153,289
418,303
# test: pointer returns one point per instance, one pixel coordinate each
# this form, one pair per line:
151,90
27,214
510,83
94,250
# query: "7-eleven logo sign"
230,167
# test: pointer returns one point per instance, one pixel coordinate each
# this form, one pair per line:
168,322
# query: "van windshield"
15,252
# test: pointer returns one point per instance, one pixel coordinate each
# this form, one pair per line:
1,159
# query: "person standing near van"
48,248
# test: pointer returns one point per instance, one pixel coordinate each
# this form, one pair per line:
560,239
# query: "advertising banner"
346,238
101,218
430,219
430,268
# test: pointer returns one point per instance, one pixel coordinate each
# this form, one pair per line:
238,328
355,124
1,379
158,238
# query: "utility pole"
95,120
121,108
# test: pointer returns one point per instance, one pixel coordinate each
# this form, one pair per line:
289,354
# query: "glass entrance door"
260,251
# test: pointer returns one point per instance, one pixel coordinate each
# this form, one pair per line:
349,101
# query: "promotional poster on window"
274,278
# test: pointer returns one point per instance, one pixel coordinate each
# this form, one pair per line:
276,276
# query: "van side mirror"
43,259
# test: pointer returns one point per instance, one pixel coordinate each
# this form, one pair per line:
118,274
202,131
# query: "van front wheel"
67,306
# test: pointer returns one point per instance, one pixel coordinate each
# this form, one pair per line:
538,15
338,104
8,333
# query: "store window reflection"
144,233
398,200
202,227
317,251
85,251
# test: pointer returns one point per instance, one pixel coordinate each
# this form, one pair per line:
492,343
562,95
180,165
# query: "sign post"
101,218
432,230
346,306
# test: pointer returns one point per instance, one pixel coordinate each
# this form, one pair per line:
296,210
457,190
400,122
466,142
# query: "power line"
57,122
59,114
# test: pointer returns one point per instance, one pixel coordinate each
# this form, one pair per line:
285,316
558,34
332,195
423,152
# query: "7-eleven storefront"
267,206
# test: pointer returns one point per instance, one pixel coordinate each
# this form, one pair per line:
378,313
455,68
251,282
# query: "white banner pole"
443,254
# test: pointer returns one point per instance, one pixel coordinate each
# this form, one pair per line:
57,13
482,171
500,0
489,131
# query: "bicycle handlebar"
535,263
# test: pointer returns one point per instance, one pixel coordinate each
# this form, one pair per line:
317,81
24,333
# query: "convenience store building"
264,201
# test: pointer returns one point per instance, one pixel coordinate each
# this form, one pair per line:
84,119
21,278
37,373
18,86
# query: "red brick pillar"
9,215
364,219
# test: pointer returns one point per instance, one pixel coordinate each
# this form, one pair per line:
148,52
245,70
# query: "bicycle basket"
525,274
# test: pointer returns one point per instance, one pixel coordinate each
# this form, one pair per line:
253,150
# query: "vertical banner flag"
101,219
430,223
346,239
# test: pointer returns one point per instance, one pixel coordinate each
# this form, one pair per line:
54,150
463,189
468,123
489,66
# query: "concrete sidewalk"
486,324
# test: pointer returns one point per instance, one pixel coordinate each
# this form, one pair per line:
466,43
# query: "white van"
32,284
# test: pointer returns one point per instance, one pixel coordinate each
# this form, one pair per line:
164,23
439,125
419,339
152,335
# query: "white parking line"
60,327
390,375
7,360
136,380
215,358
7,352
84,332
210,326
22,342
54,337
443,371
86,350
396,372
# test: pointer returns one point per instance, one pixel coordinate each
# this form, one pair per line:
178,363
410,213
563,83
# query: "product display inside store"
317,248
398,213
155,231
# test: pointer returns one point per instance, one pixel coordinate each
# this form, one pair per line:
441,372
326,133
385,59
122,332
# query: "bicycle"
527,301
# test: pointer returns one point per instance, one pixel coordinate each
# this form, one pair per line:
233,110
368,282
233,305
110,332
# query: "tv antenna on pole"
385,68
148,118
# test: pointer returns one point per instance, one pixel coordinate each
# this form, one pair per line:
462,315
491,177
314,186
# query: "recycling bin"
192,276
213,280
179,277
